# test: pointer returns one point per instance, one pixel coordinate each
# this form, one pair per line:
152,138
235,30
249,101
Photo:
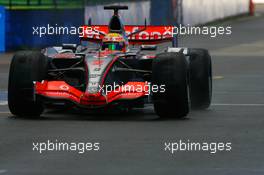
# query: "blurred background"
17,17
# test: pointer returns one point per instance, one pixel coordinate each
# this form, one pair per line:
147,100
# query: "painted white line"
3,103
218,77
234,104
5,112
3,171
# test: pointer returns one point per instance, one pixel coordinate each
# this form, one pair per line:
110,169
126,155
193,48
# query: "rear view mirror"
148,47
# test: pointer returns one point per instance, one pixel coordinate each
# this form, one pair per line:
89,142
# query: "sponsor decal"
64,87
61,95
97,69
91,83
94,75
97,62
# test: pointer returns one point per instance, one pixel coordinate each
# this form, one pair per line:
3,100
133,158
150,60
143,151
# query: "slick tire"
171,71
26,67
200,78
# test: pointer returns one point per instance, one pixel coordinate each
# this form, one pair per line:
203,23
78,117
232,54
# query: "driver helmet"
114,42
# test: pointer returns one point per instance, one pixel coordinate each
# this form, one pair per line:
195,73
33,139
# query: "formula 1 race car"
116,75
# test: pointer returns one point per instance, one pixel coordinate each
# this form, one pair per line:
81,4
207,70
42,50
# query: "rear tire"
200,78
171,70
26,67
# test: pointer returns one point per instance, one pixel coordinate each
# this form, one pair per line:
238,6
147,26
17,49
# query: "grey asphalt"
133,143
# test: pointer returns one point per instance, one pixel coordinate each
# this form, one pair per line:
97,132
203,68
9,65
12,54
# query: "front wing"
60,90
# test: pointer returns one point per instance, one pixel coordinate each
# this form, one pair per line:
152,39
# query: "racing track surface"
133,143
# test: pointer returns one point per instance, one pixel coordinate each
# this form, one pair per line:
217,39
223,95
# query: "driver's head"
114,42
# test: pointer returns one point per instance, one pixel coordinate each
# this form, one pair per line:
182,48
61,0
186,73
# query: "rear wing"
148,34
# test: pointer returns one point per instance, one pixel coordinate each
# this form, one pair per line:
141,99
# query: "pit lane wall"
170,12
258,1
203,11
19,27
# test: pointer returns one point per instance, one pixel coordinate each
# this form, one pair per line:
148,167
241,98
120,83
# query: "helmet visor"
112,46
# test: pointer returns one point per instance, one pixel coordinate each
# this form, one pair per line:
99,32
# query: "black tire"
200,78
26,67
171,70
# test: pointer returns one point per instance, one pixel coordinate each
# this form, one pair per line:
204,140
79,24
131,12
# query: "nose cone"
97,65
93,99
